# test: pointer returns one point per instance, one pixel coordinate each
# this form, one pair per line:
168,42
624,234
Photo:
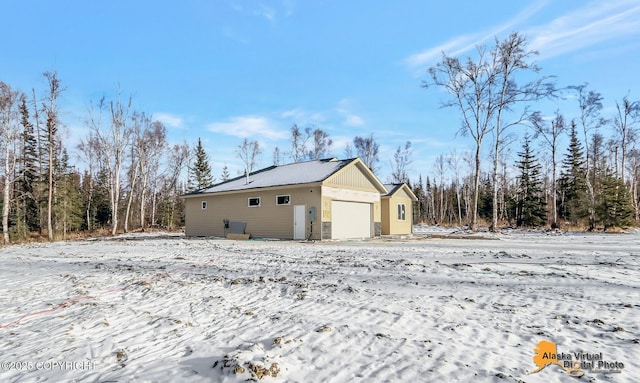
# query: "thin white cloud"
350,118
266,12
169,120
464,43
596,23
289,7
253,127
302,116
231,34
353,120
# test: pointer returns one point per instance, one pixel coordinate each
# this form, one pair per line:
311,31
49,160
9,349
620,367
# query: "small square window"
254,202
204,205
283,199
402,212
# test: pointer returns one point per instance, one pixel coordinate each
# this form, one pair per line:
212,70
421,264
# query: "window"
402,212
204,205
283,199
254,202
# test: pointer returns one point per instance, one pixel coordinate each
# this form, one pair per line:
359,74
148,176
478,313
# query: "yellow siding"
267,221
401,194
326,209
351,177
390,222
386,219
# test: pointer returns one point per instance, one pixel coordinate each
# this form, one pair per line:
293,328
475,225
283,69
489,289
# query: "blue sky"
226,70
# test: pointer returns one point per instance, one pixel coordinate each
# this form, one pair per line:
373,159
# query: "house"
397,209
321,199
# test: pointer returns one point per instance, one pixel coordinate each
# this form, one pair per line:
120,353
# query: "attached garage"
351,220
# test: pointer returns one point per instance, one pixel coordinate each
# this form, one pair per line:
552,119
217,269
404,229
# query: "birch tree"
299,141
510,59
154,143
116,143
112,143
9,135
321,144
470,85
550,134
590,104
627,116
454,163
248,152
137,122
400,164
50,108
368,150
484,90
89,149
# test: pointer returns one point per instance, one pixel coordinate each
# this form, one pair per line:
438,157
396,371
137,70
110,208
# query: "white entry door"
299,221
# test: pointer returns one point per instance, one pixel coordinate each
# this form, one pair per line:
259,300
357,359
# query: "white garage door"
350,220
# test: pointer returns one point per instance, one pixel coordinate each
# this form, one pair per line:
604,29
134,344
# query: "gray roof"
280,175
392,188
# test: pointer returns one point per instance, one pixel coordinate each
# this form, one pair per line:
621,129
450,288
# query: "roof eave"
248,190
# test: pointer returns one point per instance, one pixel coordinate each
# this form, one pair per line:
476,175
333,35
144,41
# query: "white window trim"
402,212
259,202
203,205
283,204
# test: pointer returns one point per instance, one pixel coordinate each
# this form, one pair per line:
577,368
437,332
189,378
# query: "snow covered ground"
166,308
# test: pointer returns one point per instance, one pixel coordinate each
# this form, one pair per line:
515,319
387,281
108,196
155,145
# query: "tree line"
131,177
594,186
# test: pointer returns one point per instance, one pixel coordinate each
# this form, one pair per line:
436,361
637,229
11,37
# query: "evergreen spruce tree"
225,173
68,206
27,206
200,174
530,206
573,189
613,208
485,199
419,209
101,205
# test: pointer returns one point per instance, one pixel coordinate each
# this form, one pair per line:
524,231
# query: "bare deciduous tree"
177,162
112,143
9,134
248,153
483,90
550,134
510,58
321,145
627,116
440,167
400,164
348,150
454,163
50,108
471,86
276,156
88,152
154,143
367,149
590,104
299,141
